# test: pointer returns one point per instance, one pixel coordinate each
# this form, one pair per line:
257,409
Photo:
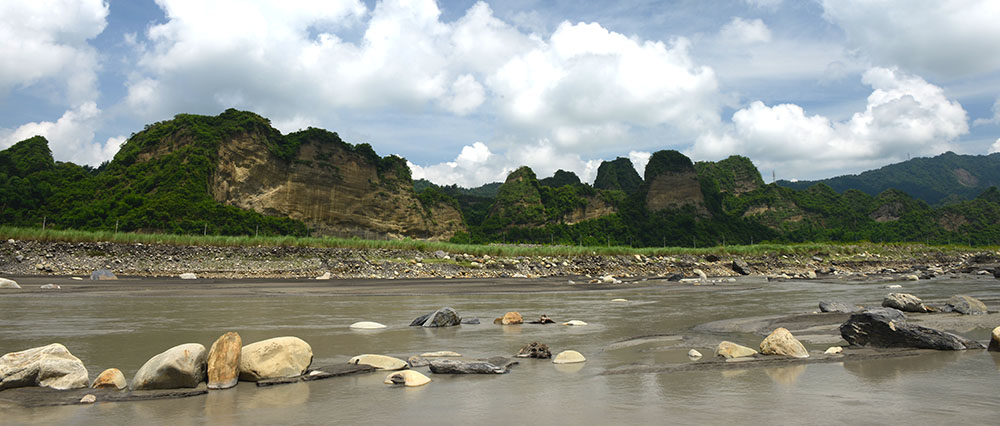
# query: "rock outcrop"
452,366
781,342
182,366
885,329
967,305
444,317
618,174
273,358
224,361
51,366
535,350
672,183
905,302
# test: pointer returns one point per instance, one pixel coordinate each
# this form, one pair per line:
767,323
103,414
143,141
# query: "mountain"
230,174
560,178
671,182
618,175
946,178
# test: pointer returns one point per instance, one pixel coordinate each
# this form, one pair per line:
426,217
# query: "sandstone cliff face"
595,208
333,190
672,183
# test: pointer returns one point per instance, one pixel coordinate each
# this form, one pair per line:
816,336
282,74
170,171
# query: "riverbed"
125,322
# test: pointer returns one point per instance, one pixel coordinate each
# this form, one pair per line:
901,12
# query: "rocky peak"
619,175
672,183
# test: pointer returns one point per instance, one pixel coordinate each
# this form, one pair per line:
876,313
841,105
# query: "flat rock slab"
320,374
45,397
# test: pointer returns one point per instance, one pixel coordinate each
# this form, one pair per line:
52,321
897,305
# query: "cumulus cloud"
46,43
764,3
477,164
948,38
639,160
742,31
995,119
904,115
71,137
995,147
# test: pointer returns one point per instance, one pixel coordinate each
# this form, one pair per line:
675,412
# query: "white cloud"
71,137
904,115
764,3
995,119
46,43
945,37
742,31
639,160
995,147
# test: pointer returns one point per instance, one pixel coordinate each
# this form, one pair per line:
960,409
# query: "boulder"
50,287
694,354
367,325
833,350
967,305
444,317
994,340
544,319
728,350
535,350
569,357
416,361
441,354
6,283
224,361
88,399
324,277
470,321
188,276
885,330
452,366
102,274
407,378
741,267
380,362
619,300
273,358
51,366
905,302
701,275
111,378
510,318
182,366
574,322
781,342
829,306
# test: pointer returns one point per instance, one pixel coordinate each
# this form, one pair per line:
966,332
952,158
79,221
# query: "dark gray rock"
535,350
829,306
711,258
472,321
675,277
102,274
905,302
876,328
890,314
741,267
451,366
444,317
967,305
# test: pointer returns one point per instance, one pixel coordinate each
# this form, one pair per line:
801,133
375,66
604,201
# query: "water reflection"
279,396
786,376
891,369
569,368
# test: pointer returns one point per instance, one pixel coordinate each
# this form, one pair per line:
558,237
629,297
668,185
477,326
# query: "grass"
36,234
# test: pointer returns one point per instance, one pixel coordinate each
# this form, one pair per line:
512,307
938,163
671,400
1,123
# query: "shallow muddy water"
107,329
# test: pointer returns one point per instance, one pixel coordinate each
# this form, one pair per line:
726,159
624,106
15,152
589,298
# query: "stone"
444,317
701,275
619,300
884,329
832,350
50,287
441,354
326,276
188,276
574,323
470,321
544,319
729,350
6,283
905,302
711,258
51,366
224,361
272,358
102,274
694,354
88,399
380,362
111,378
452,366
741,267
910,277
535,350
510,318
417,361
829,306
408,378
811,275
182,366
608,279
994,340
569,357
367,325
967,305
781,342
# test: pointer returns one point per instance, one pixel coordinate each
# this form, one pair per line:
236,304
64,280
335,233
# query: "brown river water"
106,327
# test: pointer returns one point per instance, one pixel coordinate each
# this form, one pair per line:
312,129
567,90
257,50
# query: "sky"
468,91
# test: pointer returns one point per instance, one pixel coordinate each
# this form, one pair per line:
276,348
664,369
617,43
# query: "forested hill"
943,179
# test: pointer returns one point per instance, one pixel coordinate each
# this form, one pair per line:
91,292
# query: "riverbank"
62,258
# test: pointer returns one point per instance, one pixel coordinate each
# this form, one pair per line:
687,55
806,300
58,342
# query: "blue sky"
467,91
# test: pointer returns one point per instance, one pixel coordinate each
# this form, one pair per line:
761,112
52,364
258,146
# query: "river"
111,327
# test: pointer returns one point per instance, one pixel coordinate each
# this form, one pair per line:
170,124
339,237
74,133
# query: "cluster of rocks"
780,342
65,258
962,304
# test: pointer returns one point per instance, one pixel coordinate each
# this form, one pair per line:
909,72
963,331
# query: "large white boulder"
182,366
273,358
781,342
380,362
50,366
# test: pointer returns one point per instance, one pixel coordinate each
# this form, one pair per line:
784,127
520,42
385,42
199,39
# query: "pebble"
574,322
833,350
88,399
694,354
619,300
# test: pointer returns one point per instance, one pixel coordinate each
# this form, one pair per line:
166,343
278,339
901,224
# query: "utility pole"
774,177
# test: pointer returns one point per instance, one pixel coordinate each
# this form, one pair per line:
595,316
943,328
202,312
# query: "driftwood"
320,374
